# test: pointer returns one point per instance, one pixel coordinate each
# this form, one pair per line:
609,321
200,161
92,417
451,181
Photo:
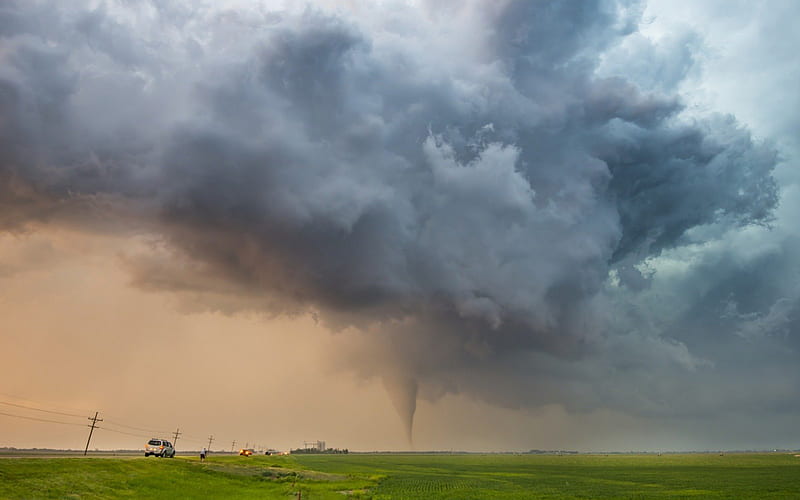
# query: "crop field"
395,476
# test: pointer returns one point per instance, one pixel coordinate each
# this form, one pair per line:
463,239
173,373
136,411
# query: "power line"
192,436
151,431
94,424
119,424
107,421
39,419
122,432
145,436
178,433
75,415
105,427
82,411
40,409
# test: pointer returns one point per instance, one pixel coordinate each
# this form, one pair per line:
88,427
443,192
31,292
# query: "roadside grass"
182,477
397,476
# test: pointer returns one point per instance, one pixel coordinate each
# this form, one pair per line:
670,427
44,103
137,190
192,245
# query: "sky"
429,225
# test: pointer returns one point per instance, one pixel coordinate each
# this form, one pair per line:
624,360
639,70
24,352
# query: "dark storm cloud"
459,200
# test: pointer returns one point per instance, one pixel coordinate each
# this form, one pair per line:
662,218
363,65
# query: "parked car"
159,448
246,452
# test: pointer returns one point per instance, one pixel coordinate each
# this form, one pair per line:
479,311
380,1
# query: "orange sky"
77,337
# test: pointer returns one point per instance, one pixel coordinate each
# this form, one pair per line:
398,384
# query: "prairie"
397,476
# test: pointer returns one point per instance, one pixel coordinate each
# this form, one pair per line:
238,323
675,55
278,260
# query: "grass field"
406,477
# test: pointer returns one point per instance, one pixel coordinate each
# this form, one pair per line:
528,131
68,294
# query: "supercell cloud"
500,199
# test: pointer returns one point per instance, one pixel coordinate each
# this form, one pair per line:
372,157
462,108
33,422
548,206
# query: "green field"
406,476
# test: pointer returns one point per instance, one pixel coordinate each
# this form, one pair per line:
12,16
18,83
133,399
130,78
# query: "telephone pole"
233,445
210,439
175,436
91,430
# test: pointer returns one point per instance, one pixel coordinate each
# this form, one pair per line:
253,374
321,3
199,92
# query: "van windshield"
154,442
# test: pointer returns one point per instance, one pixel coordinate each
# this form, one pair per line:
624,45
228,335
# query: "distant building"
314,446
318,447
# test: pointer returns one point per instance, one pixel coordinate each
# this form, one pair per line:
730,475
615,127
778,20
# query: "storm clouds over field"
588,205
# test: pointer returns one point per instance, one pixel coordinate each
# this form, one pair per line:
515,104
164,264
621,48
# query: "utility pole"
175,436
91,430
210,439
233,445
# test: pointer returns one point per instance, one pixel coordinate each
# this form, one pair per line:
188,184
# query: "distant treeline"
551,452
310,451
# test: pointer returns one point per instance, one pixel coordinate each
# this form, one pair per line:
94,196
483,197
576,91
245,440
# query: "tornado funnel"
403,393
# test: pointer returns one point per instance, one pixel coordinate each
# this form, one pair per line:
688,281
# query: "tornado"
402,391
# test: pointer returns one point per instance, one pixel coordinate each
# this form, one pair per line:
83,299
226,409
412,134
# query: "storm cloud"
475,196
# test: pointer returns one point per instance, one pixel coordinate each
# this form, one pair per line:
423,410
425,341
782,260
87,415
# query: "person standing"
203,453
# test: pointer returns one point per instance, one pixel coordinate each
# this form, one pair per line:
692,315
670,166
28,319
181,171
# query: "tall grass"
405,477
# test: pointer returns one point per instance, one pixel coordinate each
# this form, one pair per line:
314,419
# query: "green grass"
184,478
573,476
406,477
